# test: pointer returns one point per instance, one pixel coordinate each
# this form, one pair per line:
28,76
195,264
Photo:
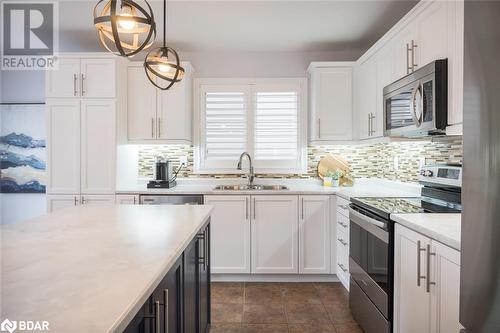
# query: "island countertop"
89,269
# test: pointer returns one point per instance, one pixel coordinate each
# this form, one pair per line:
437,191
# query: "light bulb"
125,23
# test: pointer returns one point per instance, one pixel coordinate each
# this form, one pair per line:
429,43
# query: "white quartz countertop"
444,228
89,269
362,188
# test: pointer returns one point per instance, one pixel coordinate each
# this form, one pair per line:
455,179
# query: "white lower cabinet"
314,234
125,199
56,202
274,241
341,241
230,233
426,284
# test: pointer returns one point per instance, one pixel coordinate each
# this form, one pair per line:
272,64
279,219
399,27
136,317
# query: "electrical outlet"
183,160
396,163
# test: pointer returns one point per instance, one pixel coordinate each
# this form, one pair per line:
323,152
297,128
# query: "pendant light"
162,65
126,28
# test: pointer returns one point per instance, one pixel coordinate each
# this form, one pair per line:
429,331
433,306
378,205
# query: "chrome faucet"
250,175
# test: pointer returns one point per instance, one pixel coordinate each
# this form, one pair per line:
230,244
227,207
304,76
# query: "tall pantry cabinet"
81,105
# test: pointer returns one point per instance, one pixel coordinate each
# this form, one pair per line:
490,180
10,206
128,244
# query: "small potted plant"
336,175
327,180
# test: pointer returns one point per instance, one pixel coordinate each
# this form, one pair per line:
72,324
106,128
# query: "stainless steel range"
372,242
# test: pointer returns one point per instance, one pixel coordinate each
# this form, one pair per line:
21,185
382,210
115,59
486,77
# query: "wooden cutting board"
332,162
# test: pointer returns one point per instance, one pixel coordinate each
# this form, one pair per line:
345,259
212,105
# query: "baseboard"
274,278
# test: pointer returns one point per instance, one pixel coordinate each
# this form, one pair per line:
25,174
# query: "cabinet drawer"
342,239
342,223
342,206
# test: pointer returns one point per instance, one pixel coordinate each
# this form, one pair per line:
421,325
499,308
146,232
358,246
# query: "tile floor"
281,308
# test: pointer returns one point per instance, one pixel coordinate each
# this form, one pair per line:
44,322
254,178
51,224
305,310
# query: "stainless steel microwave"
417,104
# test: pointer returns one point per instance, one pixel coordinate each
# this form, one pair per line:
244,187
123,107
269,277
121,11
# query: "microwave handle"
418,88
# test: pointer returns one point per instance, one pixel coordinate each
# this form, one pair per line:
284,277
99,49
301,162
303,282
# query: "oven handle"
374,227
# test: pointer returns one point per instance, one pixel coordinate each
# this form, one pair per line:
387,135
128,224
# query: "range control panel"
441,174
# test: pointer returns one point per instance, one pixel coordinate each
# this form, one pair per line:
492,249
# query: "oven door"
370,261
410,110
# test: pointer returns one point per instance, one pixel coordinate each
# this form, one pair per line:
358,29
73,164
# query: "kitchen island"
93,269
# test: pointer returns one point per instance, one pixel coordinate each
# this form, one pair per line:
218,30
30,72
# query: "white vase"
327,181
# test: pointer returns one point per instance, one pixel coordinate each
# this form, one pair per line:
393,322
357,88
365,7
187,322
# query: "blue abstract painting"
22,149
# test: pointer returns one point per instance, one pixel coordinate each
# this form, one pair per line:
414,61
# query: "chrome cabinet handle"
342,268
254,214
152,128
207,247
134,200
75,79
343,206
419,273
246,208
369,128
413,64
157,317
319,128
166,310
428,279
371,131
408,67
302,207
76,200
159,128
83,200
342,241
343,224
83,79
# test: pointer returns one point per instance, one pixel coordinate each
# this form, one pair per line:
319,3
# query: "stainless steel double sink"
251,188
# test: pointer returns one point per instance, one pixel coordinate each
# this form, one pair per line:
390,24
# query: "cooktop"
384,206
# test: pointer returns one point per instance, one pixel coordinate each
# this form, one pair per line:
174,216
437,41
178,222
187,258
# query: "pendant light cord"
164,23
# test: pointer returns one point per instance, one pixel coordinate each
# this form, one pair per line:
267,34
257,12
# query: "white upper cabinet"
230,233
314,234
98,78
155,115
98,144
141,105
366,97
330,101
79,77
274,240
65,81
63,143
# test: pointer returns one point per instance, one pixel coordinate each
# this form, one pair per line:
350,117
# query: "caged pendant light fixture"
125,28
162,65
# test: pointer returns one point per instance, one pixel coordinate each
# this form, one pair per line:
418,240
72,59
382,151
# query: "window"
265,117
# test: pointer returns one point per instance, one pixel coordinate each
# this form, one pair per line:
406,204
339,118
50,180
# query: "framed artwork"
22,148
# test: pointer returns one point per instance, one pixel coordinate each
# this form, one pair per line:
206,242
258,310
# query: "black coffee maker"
163,174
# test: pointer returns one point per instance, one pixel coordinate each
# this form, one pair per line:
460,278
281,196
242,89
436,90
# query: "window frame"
202,85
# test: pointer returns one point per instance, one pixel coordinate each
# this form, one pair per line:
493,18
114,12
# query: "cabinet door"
230,233
98,138
98,200
274,234
63,146
331,99
456,63
65,81
56,202
333,234
445,294
411,301
385,76
168,300
402,58
368,96
432,33
141,106
190,298
98,78
122,199
314,231
174,113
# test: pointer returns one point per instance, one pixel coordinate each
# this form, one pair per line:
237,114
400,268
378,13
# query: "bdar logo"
8,326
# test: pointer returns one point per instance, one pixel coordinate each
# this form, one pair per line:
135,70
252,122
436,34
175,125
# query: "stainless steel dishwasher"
167,199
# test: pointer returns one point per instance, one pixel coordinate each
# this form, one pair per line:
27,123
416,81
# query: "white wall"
21,87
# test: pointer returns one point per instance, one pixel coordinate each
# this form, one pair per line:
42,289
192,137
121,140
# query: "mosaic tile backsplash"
366,160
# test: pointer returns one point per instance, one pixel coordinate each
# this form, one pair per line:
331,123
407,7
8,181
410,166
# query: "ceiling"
250,26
